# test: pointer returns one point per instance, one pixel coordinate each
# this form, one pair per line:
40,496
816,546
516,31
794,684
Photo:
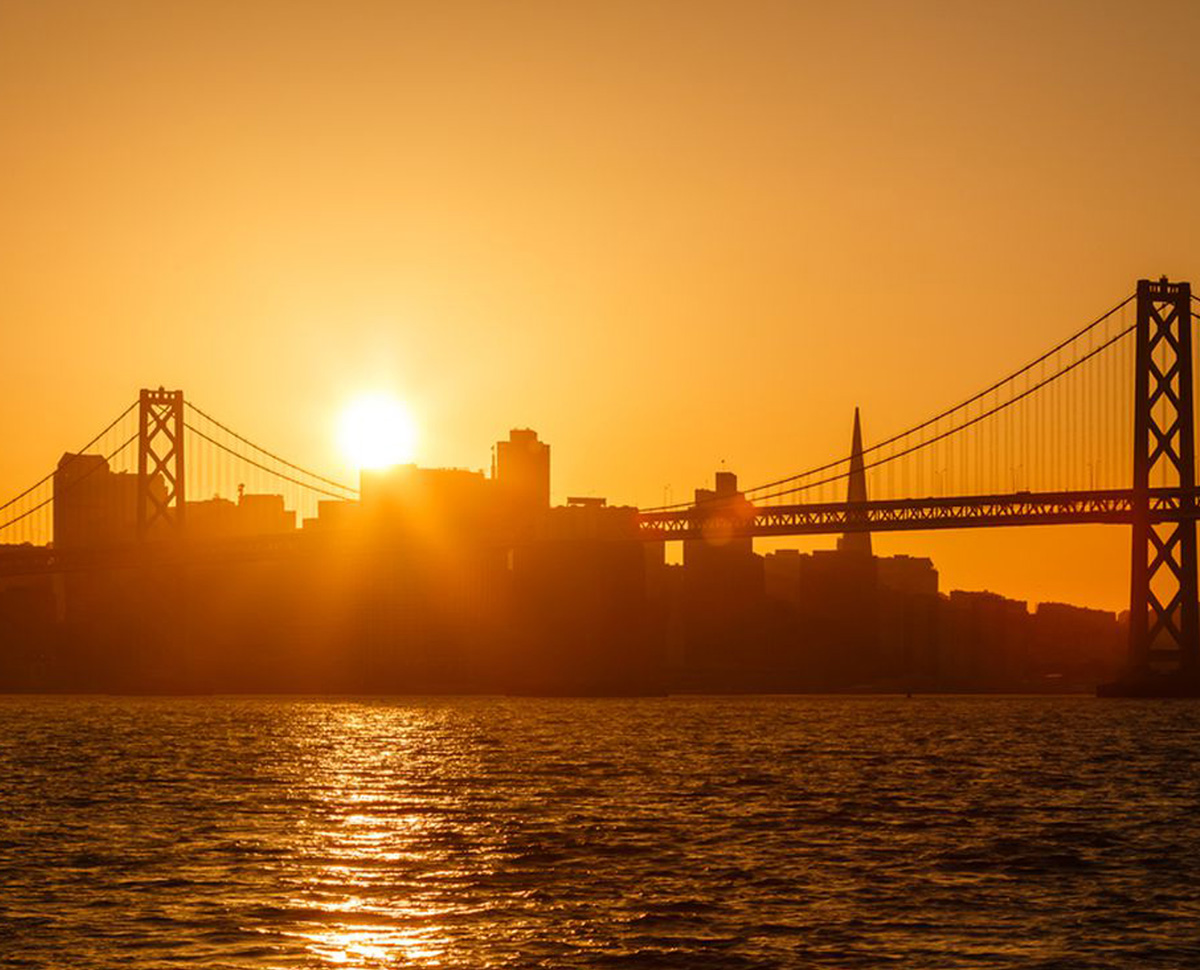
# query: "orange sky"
662,234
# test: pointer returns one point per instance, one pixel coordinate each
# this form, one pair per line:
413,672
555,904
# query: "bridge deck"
1114,507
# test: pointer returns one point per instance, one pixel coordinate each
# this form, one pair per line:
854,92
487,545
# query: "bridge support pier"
1164,618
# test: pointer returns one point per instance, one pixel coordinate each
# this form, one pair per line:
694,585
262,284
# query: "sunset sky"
665,235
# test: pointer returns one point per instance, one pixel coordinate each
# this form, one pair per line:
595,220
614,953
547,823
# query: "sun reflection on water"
362,896
372,946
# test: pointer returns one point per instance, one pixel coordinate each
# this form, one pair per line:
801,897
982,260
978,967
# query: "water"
674,832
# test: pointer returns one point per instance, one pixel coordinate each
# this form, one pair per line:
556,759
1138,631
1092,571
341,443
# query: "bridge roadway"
742,519
719,519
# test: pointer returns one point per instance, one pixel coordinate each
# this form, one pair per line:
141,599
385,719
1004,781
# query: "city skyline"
445,580
1113,540
665,196
1097,430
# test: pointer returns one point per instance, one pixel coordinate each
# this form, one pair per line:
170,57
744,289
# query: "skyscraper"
856,543
522,471
93,505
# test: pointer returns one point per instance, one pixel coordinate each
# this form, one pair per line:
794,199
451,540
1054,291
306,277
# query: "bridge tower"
1164,628
161,500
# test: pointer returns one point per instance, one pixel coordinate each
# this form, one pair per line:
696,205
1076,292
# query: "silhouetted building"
93,505
431,504
852,618
250,515
29,613
724,506
824,641
336,516
839,594
437,578
856,543
264,514
723,588
835,597
911,575
983,642
522,470
582,621
1075,647
908,620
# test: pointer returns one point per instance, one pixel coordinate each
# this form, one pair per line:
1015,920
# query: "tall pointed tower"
856,543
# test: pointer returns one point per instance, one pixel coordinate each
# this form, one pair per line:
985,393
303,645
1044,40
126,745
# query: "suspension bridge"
1099,429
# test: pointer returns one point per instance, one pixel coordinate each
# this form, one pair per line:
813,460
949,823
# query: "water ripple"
677,832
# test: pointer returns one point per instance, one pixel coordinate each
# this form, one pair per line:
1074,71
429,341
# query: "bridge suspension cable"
224,465
1046,376
270,471
26,516
269,454
951,431
49,475
66,486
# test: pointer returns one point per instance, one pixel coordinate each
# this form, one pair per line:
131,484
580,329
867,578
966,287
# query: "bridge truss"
1113,507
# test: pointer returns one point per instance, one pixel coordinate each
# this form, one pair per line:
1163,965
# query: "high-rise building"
856,543
983,641
581,620
93,505
429,502
522,470
1074,647
251,515
723,576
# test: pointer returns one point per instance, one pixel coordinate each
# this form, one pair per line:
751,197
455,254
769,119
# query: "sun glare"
377,431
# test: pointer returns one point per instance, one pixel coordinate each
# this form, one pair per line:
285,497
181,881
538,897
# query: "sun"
376,431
